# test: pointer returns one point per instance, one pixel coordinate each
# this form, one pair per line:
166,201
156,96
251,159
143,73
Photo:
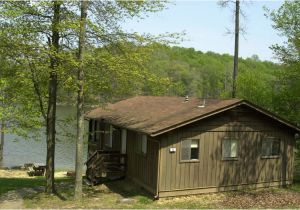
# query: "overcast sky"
205,23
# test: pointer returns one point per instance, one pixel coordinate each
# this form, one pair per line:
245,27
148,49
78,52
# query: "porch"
105,164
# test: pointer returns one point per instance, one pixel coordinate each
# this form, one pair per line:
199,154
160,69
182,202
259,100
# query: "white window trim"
144,144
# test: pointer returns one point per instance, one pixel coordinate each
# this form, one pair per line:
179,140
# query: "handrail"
91,157
103,152
105,161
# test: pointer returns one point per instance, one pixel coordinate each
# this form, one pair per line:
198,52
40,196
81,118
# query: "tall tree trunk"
80,102
236,46
51,112
2,139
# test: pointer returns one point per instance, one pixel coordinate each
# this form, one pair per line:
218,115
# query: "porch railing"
110,164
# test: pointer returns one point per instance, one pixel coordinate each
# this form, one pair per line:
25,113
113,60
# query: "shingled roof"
155,115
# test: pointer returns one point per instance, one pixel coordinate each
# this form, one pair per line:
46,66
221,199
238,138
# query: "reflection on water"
22,151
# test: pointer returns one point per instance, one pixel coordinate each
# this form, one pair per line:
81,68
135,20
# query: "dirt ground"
273,198
265,198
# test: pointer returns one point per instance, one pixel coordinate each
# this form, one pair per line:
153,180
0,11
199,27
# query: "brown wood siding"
142,167
211,171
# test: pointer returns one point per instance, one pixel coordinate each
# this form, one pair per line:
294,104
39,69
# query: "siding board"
178,166
202,160
169,162
174,163
142,168
211,170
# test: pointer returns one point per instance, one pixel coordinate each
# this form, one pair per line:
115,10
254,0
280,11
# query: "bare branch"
37,87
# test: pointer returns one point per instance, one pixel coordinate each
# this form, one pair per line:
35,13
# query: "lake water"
20,151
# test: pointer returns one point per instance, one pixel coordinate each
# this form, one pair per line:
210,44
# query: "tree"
224,3
287,93
102,29
45,36
15,89
80,103
2,127
36,29
236,47
51,111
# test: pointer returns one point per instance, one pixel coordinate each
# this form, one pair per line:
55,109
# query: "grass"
109,195
296,186
8,184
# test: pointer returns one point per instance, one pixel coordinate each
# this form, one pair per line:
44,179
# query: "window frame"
270,138
237,148
190,160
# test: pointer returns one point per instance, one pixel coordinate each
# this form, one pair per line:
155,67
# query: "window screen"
270,147
190,149
230,148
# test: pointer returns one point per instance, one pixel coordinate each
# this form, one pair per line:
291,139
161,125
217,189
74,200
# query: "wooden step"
87,181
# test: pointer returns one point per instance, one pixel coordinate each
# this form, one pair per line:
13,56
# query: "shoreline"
18,173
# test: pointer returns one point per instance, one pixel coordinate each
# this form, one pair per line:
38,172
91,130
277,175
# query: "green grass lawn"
109,195
8,184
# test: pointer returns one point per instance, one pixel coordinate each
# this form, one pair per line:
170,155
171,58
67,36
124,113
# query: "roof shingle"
151,114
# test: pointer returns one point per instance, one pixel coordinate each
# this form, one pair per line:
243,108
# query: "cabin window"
142,144
270,147
190,149
229,148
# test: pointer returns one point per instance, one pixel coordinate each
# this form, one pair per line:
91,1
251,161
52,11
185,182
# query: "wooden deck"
108,164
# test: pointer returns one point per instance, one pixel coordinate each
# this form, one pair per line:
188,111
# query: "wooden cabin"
175,146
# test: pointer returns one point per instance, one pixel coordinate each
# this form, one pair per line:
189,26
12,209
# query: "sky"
205,25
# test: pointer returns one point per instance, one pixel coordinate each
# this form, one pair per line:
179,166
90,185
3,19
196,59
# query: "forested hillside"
209,75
